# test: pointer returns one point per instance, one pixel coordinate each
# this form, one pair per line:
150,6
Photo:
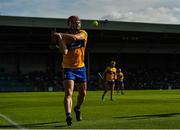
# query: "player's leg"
68,88
112,90
122,88
117,89
82,87
104,93
106,86
117,86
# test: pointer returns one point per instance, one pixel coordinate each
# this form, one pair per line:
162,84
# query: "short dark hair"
73,19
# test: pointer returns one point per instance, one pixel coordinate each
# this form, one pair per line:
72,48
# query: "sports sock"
68,114
77,107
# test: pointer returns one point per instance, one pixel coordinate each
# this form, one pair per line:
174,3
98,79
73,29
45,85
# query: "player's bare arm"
62,45
75,37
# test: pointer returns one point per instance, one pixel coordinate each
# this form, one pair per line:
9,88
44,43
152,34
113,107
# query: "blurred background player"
109,78
72,44
119,81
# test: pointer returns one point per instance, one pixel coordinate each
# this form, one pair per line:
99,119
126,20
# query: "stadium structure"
147,53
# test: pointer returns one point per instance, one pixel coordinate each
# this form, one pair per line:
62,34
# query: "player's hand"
60,36
56,35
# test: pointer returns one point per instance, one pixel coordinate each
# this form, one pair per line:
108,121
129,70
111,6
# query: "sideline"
12,122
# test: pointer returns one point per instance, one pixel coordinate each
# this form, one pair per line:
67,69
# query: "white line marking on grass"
12,122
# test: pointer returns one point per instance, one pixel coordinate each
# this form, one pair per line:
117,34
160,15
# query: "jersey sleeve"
84,34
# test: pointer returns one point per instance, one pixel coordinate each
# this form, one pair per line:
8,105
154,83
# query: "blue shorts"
78,74
118,82
110,82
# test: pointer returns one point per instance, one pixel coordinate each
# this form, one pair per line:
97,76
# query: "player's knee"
68,94
82,94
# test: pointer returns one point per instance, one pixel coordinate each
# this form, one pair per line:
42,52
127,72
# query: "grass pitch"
140,109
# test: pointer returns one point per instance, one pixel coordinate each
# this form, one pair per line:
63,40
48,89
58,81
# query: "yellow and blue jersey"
76,52
119,76
110,73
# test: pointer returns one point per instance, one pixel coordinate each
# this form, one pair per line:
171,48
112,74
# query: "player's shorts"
118,82
108,85
77,74
110,82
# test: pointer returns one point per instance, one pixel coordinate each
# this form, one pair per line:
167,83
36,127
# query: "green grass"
140,109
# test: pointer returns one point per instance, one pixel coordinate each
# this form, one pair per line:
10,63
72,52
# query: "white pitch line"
12,122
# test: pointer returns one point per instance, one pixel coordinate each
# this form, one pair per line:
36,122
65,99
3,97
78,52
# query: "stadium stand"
147,53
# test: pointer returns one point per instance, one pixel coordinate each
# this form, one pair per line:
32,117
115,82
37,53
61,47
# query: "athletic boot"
69,120
78,113
103,99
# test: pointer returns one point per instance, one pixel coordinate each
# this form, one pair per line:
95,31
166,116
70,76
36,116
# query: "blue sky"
150,11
